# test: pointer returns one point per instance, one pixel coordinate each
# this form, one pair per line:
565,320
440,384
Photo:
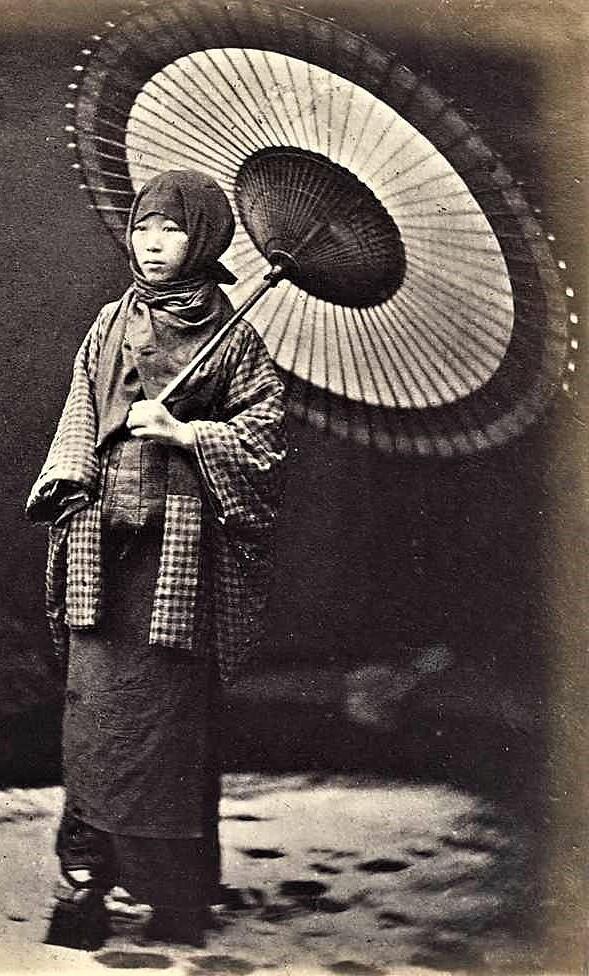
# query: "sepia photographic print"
294,520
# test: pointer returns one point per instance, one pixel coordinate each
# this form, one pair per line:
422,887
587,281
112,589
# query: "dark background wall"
487,555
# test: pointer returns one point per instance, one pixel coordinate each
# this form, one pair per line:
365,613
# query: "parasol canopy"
423,312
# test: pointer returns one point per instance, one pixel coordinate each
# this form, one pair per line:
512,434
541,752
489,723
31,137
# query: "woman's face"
160,247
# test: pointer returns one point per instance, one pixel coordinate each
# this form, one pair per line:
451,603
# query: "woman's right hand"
151,420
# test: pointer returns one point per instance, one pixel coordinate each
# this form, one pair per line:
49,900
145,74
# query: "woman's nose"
153,242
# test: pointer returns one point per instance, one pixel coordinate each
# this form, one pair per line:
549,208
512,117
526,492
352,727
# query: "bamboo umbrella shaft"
270,281
282,262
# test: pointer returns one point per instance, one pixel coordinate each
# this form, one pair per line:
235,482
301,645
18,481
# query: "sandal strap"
75,882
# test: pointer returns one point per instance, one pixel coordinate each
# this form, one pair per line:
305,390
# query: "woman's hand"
150,420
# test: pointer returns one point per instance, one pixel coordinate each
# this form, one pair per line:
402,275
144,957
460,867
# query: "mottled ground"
331,875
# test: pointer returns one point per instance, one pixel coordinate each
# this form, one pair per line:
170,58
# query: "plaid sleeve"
72,458
241,455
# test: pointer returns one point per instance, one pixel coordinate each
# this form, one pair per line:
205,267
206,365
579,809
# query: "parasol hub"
340,243
284,264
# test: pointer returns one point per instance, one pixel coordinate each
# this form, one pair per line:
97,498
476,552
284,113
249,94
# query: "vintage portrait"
294,561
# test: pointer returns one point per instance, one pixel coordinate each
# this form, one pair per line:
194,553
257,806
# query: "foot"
79,919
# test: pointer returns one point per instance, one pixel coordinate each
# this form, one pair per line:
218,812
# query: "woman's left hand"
150,420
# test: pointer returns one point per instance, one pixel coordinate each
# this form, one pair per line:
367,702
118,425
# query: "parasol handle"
275,275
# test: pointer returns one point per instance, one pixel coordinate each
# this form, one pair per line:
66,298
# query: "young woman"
161,524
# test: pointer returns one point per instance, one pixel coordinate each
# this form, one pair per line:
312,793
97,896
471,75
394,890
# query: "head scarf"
199,206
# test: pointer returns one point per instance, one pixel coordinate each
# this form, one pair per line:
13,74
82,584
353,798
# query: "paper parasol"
425,313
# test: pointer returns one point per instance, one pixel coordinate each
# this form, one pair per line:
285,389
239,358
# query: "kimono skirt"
140,723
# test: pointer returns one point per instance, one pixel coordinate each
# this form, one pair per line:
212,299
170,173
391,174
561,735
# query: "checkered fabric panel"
176,593
241,587
84,571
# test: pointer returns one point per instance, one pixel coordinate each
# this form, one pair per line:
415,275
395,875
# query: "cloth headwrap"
199,206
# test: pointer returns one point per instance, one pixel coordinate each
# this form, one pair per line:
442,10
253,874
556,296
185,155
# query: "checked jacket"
234,402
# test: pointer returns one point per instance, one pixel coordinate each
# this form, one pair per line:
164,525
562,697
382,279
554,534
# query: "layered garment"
232,481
